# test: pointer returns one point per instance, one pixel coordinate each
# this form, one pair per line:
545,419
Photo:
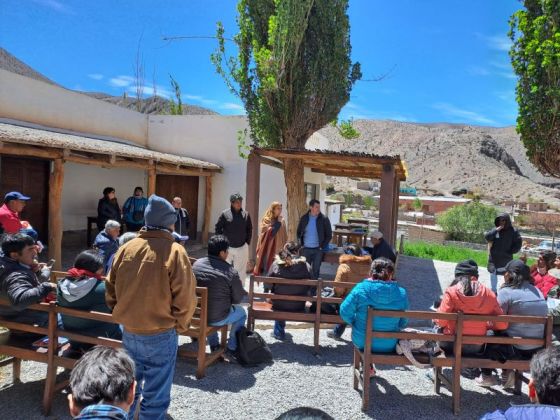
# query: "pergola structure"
59,147
391,170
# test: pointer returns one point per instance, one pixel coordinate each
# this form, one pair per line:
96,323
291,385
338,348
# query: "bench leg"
50,384
518,382
366,374
437,380
16,369
224,337
201,358
356,370
456,390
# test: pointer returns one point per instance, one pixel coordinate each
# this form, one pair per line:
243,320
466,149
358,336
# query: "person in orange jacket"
468,295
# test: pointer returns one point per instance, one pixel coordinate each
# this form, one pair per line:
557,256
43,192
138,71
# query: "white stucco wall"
214,138
33,101
83,187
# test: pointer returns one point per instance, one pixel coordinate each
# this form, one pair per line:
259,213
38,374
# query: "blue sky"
447,59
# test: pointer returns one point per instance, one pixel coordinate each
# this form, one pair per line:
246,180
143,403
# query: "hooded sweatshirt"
88,294
378,294
482,302
505,243
526,412
351,269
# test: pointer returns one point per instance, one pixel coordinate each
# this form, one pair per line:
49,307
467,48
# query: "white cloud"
507,95
358,112
95,76
462,115
121,81
53,4
151,91
232,107
478,71
496,42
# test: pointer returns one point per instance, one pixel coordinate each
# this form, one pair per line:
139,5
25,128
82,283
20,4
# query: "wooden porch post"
387,213
151,180
206,223
252,199
396,211
56,182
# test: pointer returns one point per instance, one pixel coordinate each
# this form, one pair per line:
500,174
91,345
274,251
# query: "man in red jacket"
14,203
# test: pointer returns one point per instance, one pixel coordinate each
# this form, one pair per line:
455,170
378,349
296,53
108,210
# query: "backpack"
326,308
252,350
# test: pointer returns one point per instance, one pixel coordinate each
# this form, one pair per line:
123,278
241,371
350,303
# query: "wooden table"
361,222
332,256
351,237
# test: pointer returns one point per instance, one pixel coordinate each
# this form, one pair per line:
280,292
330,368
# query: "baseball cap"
15,195
235,197
376,235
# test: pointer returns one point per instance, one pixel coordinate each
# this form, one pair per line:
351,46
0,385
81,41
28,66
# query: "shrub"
468,222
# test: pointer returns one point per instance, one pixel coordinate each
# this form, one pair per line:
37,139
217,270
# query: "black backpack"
251,348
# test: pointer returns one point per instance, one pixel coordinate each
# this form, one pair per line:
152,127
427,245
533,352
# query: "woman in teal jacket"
84,288
378,292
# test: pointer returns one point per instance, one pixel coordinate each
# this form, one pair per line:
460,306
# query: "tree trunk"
293,177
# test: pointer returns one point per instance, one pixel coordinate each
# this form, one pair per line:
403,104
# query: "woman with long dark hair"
108,208
272,237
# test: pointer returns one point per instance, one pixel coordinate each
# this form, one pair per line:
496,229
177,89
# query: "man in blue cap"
14,203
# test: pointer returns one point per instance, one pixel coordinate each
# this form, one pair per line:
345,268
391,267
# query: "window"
310,192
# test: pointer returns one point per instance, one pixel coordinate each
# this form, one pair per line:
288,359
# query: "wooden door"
30,177
186,187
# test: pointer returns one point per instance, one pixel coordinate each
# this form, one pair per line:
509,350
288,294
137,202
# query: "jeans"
236,318
154,357
339,329
494,281
280,329
314,257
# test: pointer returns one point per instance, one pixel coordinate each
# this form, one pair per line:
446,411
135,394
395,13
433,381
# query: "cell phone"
51,263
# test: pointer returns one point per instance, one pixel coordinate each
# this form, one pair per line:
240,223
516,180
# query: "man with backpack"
133,210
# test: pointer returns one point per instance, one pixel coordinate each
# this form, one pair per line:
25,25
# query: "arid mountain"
152,105
447,157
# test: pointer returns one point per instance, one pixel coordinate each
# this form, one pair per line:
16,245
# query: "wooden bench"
363,359
263,309
200,330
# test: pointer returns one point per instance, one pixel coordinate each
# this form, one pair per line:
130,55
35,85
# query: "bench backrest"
458,338
318,284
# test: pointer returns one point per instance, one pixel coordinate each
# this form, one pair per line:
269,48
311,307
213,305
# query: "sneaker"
486,380
231,355
331,334
508,379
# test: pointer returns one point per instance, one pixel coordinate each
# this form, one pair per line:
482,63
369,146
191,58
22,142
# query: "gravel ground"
296,378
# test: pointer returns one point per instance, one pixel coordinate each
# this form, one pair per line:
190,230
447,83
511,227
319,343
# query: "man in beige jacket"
151,289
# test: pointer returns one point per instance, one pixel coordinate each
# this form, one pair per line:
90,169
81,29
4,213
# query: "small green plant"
347,130
369,202
417,204
176,105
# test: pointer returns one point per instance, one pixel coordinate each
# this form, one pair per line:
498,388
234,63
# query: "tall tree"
293,73
535,55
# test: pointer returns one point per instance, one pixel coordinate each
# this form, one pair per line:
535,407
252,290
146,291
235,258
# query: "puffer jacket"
106,246
299,270
351,269
505,243
223,284
544,282
526,412
88,294
483,302
378,294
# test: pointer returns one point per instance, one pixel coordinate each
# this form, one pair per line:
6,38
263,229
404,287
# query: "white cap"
376,235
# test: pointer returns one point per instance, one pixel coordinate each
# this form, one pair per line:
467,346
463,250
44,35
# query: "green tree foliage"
293,73
468,222
417,204
535,55
175,105
369,202
346,128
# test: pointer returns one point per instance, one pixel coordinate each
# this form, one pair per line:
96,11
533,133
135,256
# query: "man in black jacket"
380,248
503,241
183,221
314,233
235,224
225,291
23,282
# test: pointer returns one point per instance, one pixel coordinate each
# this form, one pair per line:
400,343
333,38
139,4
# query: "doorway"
186,187
30,177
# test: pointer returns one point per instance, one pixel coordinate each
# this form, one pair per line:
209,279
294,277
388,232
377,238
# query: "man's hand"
499,228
